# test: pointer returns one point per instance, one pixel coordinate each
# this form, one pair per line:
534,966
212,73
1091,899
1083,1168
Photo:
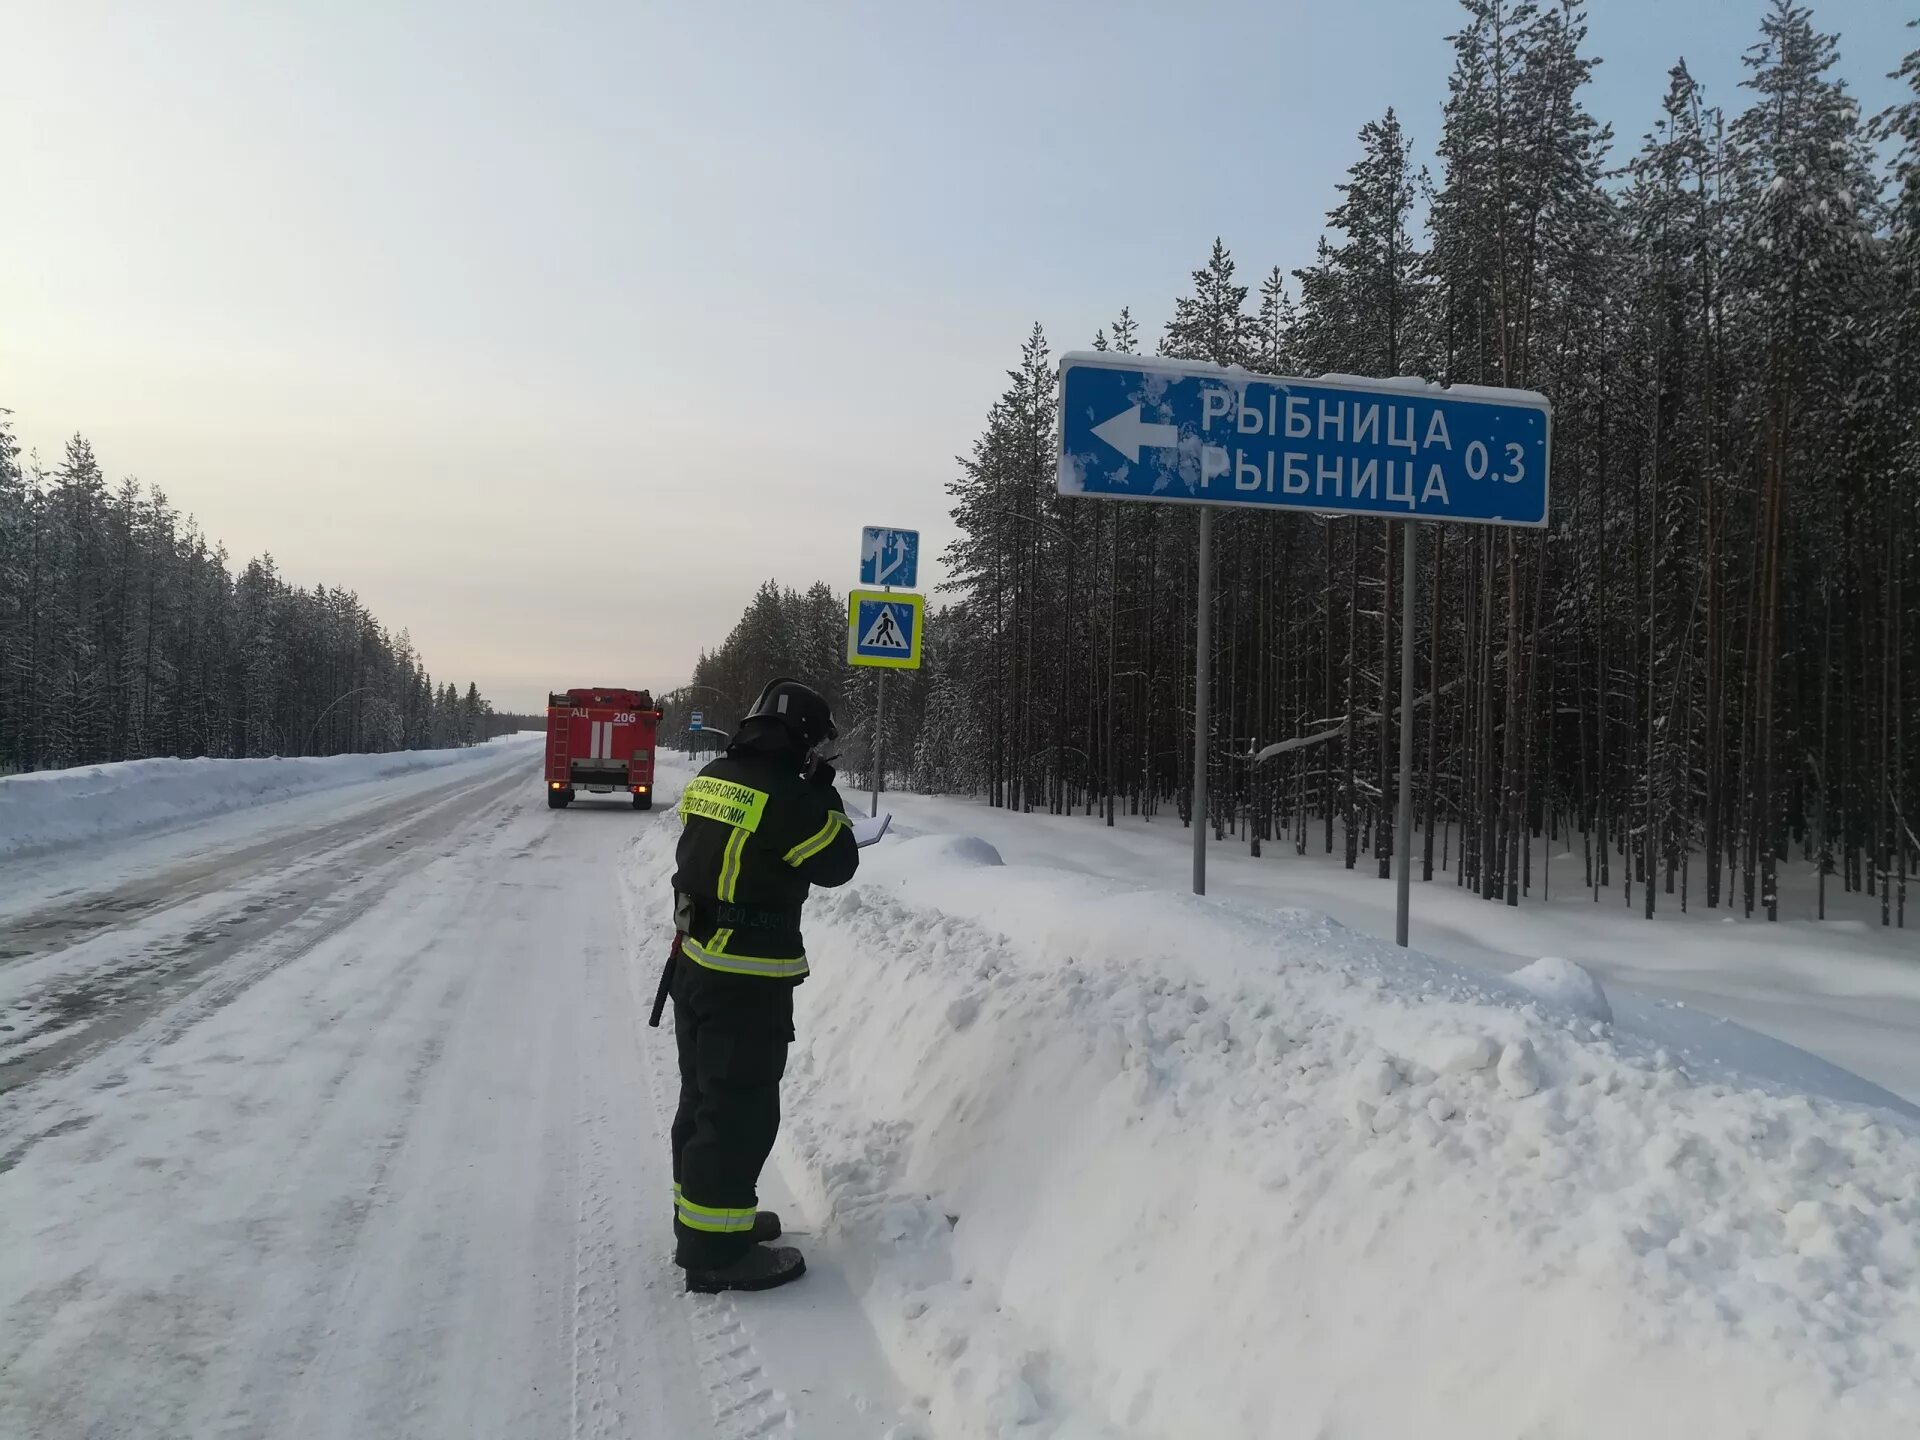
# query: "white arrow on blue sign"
889,557
1169,430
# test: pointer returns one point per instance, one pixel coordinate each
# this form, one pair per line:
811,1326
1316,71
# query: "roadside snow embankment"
48,809
1110,1162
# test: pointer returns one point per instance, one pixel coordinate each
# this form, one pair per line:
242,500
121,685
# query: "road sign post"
1183,432
884,630
1202,692
879,746
1403,831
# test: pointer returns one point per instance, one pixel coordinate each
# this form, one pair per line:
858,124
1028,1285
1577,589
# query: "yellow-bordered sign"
884,628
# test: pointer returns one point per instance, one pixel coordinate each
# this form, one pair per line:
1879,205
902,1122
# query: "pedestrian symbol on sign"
884,628
884,633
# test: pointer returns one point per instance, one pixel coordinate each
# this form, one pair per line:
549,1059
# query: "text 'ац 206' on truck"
600,739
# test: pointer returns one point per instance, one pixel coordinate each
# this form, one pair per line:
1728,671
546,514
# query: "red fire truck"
600,739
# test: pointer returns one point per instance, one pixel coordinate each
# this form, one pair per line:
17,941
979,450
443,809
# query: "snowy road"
335,1116
342,1120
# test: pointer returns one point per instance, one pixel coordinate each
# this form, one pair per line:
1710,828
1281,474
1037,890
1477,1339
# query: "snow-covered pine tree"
1210,324
19,539
1666,212
1899,344
1362,301
1516,225
1805,178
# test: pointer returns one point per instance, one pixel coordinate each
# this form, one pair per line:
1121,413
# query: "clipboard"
868,829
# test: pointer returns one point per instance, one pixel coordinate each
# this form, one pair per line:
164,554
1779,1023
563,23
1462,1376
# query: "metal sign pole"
879,736
1403,829
1202,678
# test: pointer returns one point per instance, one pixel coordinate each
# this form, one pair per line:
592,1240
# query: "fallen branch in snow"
1301,742
1364,717
1900,815
1298,742
1427,698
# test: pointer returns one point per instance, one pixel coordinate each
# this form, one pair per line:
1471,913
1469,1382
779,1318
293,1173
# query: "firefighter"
759,826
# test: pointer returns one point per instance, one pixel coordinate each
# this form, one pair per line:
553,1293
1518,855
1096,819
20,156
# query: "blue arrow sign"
1177,431
889,557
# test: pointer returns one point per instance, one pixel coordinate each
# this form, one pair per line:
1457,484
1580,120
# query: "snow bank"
52,808
1111,1162
1563,983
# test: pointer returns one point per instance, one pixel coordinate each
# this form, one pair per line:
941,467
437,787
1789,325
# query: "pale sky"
554,329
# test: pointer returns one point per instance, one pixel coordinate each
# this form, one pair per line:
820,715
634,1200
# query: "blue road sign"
889,557
1176,431
695,720
884,629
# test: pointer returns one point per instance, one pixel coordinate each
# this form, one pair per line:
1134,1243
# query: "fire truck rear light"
556,785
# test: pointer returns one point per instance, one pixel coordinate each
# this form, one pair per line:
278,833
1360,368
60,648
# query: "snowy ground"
353,1128
1844,988
338,1116
55,809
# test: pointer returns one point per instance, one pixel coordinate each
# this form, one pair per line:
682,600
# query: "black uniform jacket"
756,835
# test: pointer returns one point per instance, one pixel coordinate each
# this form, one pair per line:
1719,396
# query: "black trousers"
732,1032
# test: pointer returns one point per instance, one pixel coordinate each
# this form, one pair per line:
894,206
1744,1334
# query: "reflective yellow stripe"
818,841
706,798
714,957
711,1212
730,864
728,1221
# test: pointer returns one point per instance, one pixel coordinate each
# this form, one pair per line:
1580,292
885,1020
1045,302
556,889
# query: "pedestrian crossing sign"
883,628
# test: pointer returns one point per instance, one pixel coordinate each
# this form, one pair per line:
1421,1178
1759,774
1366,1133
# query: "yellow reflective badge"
740,806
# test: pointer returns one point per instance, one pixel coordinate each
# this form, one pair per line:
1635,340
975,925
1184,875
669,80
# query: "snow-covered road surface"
352,1127
337,1116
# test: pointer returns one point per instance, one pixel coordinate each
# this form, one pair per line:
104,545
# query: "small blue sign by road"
1133,428
696,720
889,557
884,629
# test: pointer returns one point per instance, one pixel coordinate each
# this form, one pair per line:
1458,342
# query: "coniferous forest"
125,633
1701,671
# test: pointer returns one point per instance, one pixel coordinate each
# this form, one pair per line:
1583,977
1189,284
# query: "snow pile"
52,808
1110,1162
1565,984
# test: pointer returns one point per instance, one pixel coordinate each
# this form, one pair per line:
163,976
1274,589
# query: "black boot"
761,1268
766,1227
